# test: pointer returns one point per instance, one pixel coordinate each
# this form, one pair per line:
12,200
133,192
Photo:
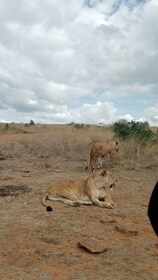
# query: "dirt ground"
36,244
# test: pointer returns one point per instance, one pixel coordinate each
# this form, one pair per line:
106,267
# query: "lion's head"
107,179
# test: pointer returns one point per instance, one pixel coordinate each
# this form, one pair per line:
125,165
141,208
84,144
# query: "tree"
31,122
138,130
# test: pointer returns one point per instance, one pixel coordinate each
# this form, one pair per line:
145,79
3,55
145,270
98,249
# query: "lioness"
100,150
89,191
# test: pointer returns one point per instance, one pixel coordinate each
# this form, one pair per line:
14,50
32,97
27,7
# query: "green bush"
138,130
6,126
31,122
121,129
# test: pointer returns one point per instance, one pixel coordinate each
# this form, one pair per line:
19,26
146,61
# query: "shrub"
121,129
31,122
6,126
80,125
138,130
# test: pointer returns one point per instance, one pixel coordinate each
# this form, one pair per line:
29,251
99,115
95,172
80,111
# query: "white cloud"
60,56
151,115
104,112
127,117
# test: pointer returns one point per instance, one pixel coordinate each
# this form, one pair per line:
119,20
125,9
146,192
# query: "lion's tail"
48,208
87,165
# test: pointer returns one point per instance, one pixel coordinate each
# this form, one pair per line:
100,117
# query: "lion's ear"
104,172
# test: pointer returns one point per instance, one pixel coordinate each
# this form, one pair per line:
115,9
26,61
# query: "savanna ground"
36,244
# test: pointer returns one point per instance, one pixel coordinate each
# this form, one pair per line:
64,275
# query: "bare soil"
36,244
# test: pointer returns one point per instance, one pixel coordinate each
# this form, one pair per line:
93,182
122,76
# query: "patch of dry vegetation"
68,142
133,154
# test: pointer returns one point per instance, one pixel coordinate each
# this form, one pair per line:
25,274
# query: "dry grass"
68,142
135,154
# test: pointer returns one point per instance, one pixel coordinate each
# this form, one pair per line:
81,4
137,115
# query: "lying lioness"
89,191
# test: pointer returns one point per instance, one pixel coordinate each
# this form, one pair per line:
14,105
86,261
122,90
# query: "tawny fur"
100,150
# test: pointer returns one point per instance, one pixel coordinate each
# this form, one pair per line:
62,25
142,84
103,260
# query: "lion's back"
101,148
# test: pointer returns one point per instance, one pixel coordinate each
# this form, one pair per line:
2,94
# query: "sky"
84,61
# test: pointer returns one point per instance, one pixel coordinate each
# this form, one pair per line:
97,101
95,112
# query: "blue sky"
78,61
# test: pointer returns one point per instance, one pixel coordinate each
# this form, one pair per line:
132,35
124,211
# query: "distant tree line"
79,125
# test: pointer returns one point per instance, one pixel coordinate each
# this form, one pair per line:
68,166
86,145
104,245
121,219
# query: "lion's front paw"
76,204
111,205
